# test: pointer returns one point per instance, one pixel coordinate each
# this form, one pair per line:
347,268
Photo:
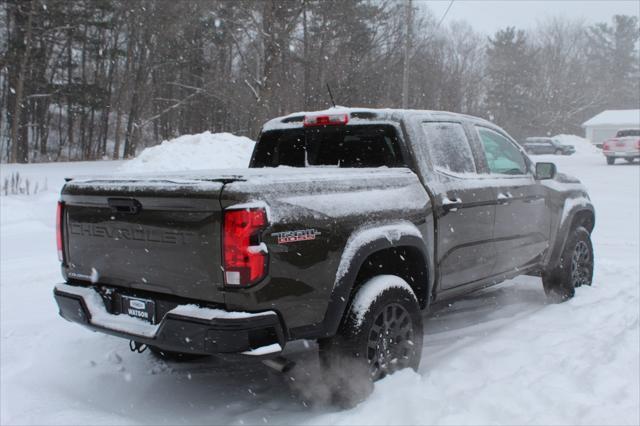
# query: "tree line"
92,79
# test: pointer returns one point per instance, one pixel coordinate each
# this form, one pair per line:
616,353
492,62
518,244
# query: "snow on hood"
193,152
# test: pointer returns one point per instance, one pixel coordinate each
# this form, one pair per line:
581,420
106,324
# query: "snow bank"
582,145
194,152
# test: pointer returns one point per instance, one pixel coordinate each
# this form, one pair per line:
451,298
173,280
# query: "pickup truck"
347,223
626,144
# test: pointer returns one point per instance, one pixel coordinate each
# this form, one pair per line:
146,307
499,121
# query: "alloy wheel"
390,341
581,265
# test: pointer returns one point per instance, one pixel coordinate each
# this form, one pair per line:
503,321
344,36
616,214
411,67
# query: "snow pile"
582,145
194,152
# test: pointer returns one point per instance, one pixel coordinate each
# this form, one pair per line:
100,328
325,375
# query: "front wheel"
575,268
380,334
559,152
611,160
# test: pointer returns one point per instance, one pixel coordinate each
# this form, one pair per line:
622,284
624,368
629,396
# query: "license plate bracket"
136,307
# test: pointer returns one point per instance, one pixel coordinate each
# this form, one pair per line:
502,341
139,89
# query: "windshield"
339,146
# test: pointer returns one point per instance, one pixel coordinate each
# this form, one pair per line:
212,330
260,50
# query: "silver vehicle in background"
539,145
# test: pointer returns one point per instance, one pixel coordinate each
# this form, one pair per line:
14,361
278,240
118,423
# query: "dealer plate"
143,309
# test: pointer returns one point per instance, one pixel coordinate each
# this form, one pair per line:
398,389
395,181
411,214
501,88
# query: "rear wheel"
575,268
380,334
558,152
611,160
629,160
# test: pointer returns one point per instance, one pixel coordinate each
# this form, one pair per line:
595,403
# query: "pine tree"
510,73
614,61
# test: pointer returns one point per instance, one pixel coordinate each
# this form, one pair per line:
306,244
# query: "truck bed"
171,243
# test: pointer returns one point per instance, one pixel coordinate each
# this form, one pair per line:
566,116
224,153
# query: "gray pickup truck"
346,225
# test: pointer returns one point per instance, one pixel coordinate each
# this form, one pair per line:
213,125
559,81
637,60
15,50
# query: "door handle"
450,205
504,197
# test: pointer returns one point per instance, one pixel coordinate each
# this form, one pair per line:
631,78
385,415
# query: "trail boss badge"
287,237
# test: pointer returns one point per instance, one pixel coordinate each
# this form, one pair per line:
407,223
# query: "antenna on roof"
331,95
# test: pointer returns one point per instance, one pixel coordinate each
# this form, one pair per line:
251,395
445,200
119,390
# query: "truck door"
523,220
465,207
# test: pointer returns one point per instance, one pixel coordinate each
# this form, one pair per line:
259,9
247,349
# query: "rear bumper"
186,328
622,154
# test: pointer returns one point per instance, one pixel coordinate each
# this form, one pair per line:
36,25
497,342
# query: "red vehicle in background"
626,144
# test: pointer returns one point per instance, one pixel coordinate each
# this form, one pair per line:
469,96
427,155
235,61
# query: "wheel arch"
404,254
579,215
585,218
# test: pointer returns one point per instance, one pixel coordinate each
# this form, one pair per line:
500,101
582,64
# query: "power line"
407,47
444,15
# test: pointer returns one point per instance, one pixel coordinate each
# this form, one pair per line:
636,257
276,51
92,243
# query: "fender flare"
356,251
565,226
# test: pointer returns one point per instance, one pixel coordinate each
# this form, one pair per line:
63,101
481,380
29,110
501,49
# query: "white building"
605,125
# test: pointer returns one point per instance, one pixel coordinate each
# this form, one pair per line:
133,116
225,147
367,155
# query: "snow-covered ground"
500,356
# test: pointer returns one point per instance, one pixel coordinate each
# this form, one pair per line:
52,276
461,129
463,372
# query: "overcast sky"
488,16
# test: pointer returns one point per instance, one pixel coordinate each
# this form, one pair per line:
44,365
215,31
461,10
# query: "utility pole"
407,48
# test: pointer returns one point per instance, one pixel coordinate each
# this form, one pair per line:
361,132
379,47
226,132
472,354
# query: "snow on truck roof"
357,115
615,117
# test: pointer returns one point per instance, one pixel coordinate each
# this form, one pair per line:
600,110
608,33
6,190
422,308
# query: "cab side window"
502,155
448,147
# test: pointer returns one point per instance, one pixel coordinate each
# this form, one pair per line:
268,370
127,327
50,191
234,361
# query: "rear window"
340,146
625,133
448,147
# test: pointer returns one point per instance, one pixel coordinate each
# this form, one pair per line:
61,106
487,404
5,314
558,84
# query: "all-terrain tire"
575,268
629,160
611,160
380,334
174,356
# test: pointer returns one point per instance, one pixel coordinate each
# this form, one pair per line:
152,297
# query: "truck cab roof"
365,116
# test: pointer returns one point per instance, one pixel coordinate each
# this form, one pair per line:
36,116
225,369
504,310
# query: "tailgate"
624,145
162,239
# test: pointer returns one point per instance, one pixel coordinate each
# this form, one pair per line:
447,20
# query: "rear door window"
448,147
626,133
339,146
503,157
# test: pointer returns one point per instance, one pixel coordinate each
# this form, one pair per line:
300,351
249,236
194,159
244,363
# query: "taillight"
59,221
245,257
605,146
638,144
325,120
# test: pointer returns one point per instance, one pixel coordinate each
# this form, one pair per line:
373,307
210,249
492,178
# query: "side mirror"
545,171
